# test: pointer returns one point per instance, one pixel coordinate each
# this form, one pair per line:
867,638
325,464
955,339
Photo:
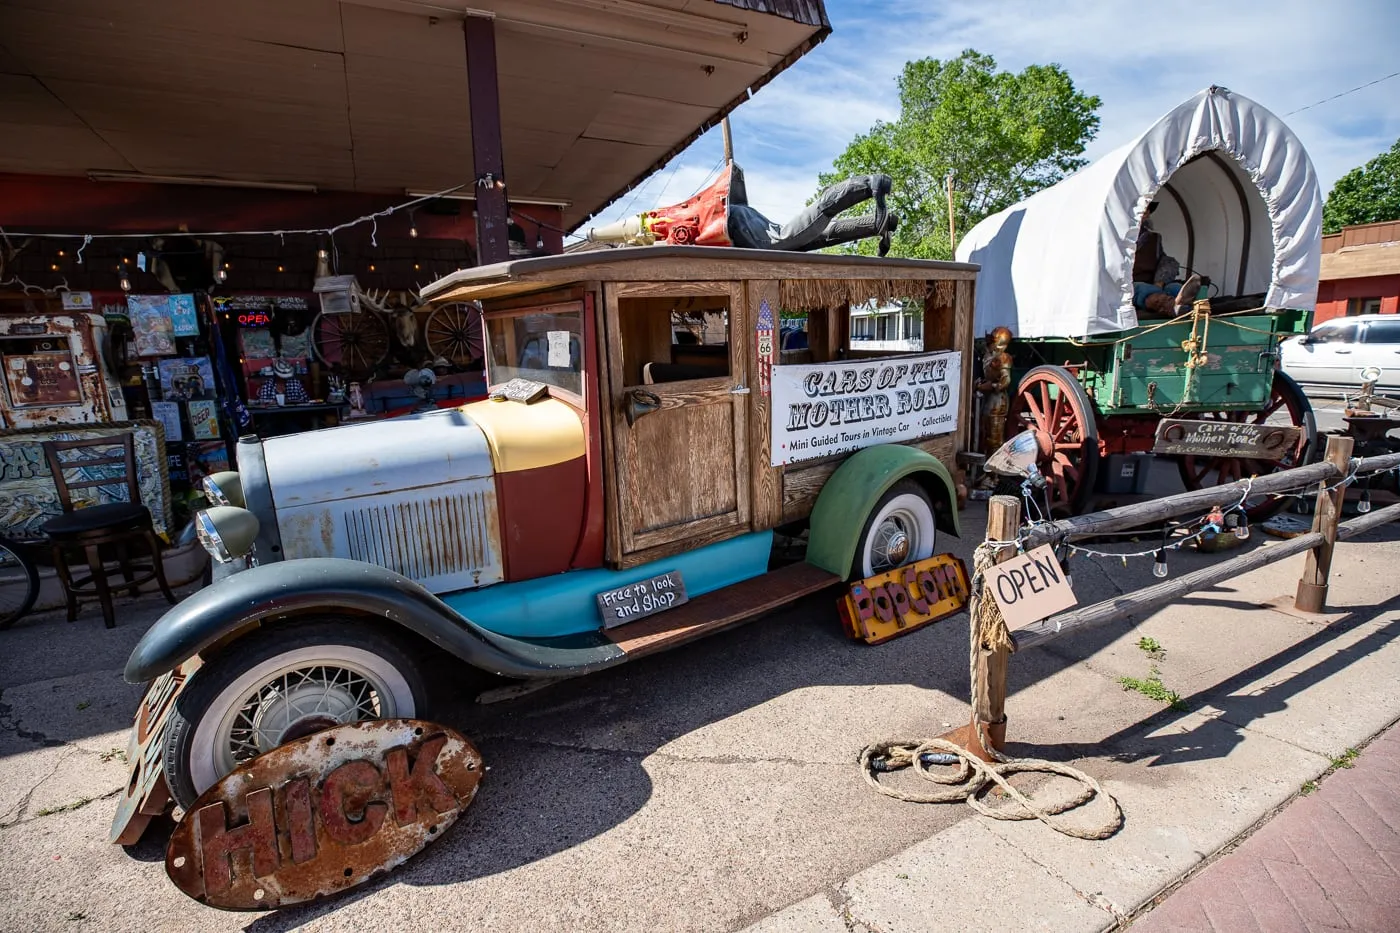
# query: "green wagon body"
1144,371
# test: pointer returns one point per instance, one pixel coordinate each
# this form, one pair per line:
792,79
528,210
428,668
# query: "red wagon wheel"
1051,402
1288,407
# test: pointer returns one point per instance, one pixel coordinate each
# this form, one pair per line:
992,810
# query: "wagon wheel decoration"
453,332
1287,407
355,343
1051,402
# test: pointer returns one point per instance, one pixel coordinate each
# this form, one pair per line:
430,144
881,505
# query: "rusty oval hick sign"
323,813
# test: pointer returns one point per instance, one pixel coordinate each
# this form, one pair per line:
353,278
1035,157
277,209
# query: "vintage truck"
658,414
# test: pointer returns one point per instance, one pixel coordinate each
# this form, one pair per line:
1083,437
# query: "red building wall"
1334,296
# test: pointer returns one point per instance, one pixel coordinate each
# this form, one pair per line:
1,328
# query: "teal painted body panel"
564,604
1143,370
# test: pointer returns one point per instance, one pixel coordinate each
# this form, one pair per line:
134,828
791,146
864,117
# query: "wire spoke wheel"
1051,402
1287,406
296,702
453,332
356,343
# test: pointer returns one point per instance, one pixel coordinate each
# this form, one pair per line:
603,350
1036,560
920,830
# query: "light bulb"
1064,569
1242,529
124,282
539,241
220,276
1159,564
281,269
1364,505
413,229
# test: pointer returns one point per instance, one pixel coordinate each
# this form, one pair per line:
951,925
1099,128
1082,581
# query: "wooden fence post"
1312,587
989,699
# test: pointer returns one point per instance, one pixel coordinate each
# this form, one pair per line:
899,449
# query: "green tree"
1366,194
1004,136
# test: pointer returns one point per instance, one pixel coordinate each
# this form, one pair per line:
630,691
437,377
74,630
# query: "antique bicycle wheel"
1051,402
19,583
453,332
355,343
1287,407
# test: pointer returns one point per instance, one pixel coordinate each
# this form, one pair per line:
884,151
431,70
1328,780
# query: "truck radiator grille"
425,538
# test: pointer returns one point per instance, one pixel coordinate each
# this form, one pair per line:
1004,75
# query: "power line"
1359,87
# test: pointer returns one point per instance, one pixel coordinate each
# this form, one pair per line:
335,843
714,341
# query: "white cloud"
1142,61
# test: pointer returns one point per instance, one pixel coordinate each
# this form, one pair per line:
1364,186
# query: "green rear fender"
849,496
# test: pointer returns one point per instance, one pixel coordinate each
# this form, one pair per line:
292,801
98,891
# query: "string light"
1364,505
214,234
412,225
122,279
221,275
1159,564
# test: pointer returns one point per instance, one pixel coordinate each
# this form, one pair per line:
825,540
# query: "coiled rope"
973,777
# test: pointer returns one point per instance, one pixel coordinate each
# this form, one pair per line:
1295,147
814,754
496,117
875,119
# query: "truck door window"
541,344
674,339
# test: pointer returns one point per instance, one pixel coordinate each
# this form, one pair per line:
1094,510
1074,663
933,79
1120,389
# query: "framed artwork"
184,378
205,457
153,328
168,414
204,419
183,317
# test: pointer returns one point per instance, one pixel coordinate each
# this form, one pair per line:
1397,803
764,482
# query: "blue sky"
1141,59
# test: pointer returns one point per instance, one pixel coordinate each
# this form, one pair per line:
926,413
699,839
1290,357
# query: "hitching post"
989,701
1312,588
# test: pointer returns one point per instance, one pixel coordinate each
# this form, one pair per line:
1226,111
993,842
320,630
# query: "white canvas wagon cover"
1238,202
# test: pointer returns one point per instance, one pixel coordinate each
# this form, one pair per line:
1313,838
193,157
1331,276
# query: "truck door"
679,405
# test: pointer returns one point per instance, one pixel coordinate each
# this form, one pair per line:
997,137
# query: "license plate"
641,599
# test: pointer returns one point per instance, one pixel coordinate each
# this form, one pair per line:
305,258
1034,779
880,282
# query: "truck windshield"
542,345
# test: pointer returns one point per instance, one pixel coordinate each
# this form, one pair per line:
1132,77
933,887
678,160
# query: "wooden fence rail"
1003,517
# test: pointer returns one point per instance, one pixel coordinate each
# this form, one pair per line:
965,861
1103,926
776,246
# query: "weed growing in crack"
65,807
1152,647
111,754
1346,759
1307,788
1154,689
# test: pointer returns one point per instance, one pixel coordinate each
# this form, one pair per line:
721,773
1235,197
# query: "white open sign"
1029,587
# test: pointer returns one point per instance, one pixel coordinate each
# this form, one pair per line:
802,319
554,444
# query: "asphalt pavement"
715,787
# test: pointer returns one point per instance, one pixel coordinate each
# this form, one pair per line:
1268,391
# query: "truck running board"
722,609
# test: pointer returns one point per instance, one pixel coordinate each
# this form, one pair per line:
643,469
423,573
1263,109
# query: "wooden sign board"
520,390
898,601
641,599
1224,439
1029,587
322,813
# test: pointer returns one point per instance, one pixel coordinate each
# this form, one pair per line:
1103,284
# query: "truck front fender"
326,585
857,485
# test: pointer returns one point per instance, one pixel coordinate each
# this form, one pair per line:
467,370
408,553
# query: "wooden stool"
112,524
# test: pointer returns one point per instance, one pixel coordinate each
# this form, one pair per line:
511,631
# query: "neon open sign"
254,319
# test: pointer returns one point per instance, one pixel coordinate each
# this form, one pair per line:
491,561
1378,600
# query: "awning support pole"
488,158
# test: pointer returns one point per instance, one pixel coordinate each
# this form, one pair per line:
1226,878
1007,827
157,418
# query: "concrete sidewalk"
1250,739
1329,861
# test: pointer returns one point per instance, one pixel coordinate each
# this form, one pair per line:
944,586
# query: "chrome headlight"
226,532
224,488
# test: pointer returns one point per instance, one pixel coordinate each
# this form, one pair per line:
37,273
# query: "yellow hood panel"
526,437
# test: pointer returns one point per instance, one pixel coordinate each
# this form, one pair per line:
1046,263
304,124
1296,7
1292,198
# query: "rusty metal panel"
323,814
146,794
446,538
899,601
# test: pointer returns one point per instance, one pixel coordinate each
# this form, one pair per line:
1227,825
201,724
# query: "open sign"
1030,587
322,814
